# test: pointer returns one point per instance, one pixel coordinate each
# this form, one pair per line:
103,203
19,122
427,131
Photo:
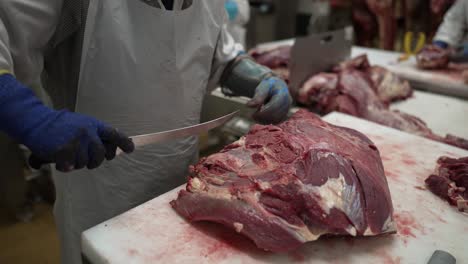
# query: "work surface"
449,82
154,233
443,114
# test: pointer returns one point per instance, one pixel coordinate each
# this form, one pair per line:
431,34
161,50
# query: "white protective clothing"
143,69
237,27
454,27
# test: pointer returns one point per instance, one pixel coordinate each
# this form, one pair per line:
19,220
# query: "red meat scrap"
450,181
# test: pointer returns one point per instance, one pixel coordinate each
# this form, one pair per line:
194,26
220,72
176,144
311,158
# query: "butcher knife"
317,53
147,139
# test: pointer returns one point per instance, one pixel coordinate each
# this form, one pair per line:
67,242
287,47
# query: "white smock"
454,27
237,26
144,69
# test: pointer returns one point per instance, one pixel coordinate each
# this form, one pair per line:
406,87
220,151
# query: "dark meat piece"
318,89
273,58
384,10
388,86
360,62
276,59
364,23
432,57
284,185
439,7
450,181
354,92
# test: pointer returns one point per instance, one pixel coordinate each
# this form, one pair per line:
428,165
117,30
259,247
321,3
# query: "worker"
142,66
452,33
239,15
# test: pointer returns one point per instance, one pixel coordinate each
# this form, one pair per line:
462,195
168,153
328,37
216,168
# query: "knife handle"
442,257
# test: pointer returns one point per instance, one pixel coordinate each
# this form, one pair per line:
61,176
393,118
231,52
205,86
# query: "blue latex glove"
440,44
273,100
232,9
70,140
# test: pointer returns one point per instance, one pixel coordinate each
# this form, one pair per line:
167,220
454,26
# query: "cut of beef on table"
352,90
432,57
154,233
450,181
276,59
387,85
285,185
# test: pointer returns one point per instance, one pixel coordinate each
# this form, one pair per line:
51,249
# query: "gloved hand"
70,140
272,100
232,9
440,44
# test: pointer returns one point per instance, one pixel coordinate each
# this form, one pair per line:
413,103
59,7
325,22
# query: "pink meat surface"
353,91
450,181
388,86
285,185
276,59
384,10
432,57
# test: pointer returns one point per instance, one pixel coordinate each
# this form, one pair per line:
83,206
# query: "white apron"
144,70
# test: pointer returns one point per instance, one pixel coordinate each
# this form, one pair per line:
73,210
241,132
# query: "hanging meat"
285,185
384,10
450,181
365,25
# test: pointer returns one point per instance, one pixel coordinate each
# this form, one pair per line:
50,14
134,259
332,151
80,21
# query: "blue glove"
232,9
440,44
70,140
272,100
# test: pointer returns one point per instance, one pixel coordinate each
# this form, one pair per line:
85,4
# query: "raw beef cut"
388,86
364,23
432,57
284,185
351,91
276,59
450,181
384,10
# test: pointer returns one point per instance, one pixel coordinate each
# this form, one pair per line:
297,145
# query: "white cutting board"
154,233
448,82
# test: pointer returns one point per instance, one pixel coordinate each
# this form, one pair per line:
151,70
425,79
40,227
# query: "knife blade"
146,139
317,53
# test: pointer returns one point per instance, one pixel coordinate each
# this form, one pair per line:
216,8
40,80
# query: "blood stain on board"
387,258
225,243
132,252
438,216
409,162
296,256
407,225
392,175
385,158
